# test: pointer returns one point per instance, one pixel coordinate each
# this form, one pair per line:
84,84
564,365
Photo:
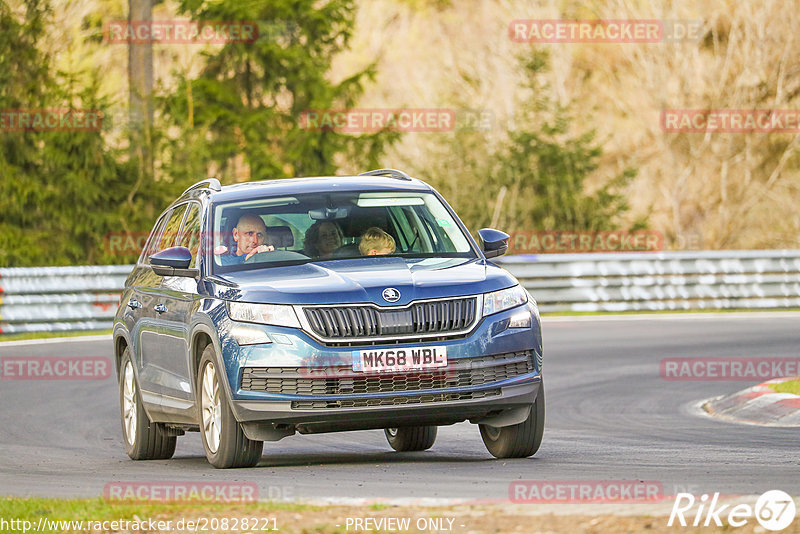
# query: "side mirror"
493,242
173,261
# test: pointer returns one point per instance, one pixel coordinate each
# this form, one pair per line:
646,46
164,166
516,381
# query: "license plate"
389,360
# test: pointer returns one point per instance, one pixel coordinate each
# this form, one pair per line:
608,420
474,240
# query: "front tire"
224,441
144,440
411,438
517,441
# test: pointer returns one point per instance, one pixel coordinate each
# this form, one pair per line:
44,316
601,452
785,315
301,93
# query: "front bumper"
509,406
325,413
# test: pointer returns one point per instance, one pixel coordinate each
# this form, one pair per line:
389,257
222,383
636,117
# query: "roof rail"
213,183
392,173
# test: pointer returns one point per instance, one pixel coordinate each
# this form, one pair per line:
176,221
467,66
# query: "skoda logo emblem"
390,294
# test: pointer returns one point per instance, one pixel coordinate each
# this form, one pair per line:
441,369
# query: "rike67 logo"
774,510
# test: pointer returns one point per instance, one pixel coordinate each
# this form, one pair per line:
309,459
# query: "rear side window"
190,234
155,237
170,236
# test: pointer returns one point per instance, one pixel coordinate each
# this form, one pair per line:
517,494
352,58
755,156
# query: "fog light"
520,320
247,335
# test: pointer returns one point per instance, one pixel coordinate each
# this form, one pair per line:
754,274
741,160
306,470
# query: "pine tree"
59,189
242,115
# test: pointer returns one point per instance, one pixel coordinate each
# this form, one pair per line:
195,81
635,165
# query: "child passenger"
376,242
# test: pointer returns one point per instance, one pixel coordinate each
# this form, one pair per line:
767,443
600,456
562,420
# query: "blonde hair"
375,239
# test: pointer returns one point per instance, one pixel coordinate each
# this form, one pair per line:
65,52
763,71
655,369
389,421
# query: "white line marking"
47,341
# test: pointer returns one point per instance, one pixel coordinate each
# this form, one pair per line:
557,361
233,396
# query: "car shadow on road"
272,460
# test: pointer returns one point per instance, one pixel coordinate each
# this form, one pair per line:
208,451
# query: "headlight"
504,299
274,314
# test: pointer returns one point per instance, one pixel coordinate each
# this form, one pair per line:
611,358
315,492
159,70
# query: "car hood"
362,280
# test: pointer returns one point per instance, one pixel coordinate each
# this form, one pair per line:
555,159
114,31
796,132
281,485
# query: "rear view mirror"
493,242
327,214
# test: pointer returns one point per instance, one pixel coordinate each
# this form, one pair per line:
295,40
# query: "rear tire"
517,441
224,441
144,440
411,438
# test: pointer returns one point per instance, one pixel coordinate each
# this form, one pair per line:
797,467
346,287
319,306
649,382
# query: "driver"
250,235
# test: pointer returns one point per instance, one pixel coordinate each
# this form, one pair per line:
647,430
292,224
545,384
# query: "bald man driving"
250,235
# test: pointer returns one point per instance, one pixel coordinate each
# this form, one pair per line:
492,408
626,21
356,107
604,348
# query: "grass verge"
502,518
790,386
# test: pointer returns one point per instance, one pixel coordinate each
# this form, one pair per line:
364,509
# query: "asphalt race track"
610,416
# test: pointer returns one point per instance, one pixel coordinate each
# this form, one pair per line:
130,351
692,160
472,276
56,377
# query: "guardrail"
86,298
638,281
39,299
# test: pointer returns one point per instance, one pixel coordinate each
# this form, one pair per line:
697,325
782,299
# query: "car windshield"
287,230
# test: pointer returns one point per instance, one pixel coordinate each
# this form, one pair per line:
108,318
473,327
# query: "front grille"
342,380
393,401
342,323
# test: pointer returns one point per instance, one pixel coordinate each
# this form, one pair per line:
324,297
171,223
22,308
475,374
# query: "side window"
170,236
155,237
190,233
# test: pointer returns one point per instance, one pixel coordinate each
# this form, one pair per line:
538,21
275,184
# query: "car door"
156,336
142,283
179,299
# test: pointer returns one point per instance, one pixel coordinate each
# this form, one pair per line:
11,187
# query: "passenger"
322,239
250,235
376,242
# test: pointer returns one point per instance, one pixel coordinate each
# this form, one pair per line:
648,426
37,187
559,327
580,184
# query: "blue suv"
264,309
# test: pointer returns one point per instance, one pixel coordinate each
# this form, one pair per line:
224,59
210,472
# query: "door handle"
134,304
160,308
